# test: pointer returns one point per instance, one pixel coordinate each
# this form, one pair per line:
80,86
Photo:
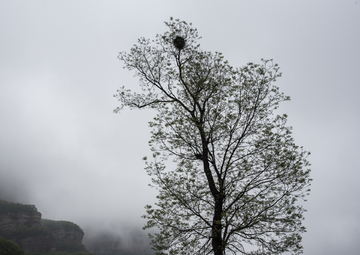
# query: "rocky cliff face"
42,243
23,225
68,236
62,235
14,220
24,228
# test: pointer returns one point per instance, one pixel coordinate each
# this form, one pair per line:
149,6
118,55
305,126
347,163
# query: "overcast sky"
63,149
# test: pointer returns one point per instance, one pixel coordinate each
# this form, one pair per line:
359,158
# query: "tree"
8,247
238,174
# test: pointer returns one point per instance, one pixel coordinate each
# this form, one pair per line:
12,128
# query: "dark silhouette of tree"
246,187
8,247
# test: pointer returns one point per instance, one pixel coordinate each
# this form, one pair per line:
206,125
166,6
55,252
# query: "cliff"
23,225
68,236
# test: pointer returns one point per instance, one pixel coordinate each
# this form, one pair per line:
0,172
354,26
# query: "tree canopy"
239,175
8,247
9,207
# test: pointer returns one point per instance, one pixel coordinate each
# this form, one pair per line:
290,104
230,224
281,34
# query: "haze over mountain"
64,150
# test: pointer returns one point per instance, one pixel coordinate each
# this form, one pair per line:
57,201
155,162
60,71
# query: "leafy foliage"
239,174
8,247
9,207
60,225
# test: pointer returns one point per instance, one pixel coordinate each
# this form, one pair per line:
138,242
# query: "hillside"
23,225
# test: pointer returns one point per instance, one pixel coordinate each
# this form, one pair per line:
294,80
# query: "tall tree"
238,174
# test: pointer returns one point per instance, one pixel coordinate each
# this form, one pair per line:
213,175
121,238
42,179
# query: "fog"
63,149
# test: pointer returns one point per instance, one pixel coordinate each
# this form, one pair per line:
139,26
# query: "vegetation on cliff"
23,225
65,244
54,225
8,247
8,207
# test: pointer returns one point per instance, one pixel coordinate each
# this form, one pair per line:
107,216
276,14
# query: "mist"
64,150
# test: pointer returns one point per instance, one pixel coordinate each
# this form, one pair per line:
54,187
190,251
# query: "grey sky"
62,148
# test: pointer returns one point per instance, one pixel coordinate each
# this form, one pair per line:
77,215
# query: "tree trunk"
217,242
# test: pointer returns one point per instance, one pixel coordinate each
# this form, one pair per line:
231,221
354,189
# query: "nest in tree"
198,156
179,42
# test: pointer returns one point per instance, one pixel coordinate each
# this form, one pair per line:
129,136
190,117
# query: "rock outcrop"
14,220
41,243
23,225
68,236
